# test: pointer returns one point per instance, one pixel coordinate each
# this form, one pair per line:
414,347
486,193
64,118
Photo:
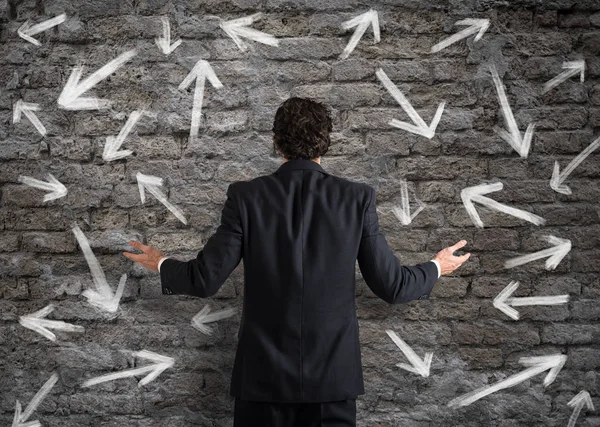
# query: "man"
299,231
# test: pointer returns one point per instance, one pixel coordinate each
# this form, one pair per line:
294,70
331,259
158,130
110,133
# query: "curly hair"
302,128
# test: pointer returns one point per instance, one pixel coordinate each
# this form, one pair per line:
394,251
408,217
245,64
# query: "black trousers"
277,414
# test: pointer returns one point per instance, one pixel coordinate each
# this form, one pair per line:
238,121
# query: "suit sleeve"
204,275
381,269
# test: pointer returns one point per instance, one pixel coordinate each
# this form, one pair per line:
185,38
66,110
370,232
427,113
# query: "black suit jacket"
299,231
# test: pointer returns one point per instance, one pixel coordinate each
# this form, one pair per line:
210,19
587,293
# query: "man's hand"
148,259
449,262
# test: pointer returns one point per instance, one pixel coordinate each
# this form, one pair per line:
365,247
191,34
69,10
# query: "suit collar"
300,164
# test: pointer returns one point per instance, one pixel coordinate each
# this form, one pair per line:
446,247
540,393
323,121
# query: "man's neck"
317,160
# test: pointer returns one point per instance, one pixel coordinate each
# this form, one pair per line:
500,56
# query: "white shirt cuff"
161,261
437,263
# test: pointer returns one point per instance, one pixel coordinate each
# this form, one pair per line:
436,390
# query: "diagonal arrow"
161,363
503,300
403,212
361,22
113,144
478,26
555,254
419,127
56,188
164,42
417,365
26,31
556,182
579,400
103,296
201,71
238,28
36,322
151,183
572,69
470,195
199,320
20,419
28,108
521,144
70,97
537,365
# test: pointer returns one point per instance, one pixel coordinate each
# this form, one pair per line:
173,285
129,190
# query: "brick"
59,242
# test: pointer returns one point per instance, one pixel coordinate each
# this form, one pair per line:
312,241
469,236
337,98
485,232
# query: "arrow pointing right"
572,68
556,182
554,254
20,419
56,188
503,300
582,398
417,365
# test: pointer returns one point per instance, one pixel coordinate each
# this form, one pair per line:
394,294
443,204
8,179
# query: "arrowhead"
426,131
24,34
111,152
502,300
521,144
238,28
576,66
582,398
109,303
147,181
161,363
481,24
562,248
59,189
416,365
554,363
199,320
556,181
201,70
467,194
420,368
20,107
362,23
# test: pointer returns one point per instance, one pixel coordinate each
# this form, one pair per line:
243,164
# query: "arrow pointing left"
56,188
238,28
361,22
503,300
160,364
417,365
28,108
20,419
199,320
103,296
151,183
26,31
558,177
578,402
36,322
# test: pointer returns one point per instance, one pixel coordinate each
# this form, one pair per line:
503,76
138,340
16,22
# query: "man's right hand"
449,262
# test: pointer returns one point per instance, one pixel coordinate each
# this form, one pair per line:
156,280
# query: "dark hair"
302,128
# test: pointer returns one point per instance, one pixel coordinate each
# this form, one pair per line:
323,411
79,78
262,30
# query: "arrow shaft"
197,106
533,256
163,199
39,396
43,26
547,300
454,38
56,324
400,99
95,268
118,375
42,185
493,204
102,73
35,121
580,158
505,107
412,357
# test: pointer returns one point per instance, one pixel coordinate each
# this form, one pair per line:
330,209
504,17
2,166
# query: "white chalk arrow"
478,26
201,71
520,143
503,300
20,418
103,296
555,254
113,144
361,22
536,365
419,127
572,69
151,183
37,322
26,31
470,195
28,108
403,212
199,320
238,28
417,365
556,182
579,400
56,188
160,364
70,98
164,42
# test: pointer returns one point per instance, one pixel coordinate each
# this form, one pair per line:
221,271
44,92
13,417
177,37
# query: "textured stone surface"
473,343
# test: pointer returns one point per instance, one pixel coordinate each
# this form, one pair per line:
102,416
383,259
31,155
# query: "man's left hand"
148,259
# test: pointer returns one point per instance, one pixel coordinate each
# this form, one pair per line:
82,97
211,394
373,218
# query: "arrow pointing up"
199,320
470,195
238,28
161,363
28,108
56,188
582,398
164,42
403,212
111,148
503,300
70,97
417,365
419,127
201,71
556,182
572,69
151,183
554,254
513,136
103,296
361,22
26,31
478,26
537,365
36,322
20,419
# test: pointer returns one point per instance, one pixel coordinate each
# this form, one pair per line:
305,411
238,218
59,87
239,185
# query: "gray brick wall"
473,343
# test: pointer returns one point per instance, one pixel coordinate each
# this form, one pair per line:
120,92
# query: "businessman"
299,232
